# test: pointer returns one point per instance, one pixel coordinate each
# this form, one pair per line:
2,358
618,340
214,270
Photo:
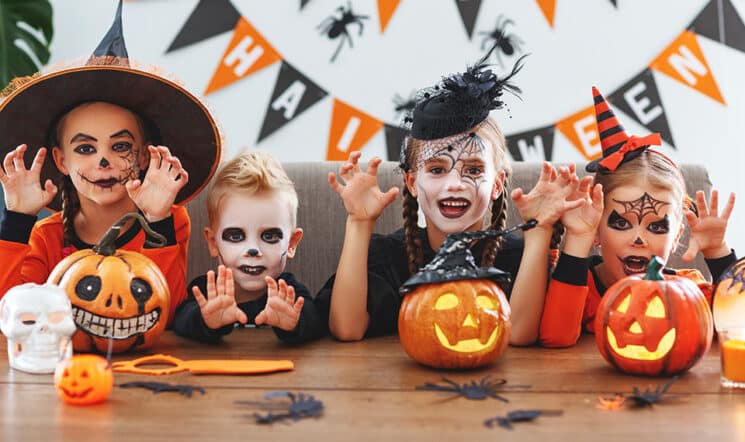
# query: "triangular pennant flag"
684,61
394,137
532,145
640,99
303,3
386,9
720,22
548,7
581,130
350,130
615,3
209,18
469,10
247,53
293,94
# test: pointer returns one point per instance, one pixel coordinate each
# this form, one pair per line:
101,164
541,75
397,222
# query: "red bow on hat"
612,161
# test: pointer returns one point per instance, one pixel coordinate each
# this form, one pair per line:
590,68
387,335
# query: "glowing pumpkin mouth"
466,345
73,395
639,351
123,328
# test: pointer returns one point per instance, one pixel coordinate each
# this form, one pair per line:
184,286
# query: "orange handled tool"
205,366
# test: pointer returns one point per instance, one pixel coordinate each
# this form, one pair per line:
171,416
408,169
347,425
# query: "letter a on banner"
684,61
247,53
350,130
582,130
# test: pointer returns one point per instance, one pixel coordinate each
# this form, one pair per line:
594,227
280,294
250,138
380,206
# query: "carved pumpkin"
655,326
458,324
729,298
83,379
115,294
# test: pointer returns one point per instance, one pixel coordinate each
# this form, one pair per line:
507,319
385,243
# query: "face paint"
642,206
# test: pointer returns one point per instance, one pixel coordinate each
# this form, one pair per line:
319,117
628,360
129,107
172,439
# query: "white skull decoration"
37,320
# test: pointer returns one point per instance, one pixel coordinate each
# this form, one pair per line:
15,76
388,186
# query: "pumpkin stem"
654,269
107,245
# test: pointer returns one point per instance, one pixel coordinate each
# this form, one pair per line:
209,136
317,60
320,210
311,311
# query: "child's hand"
360,192
550,197
219,309
21,185
282,309
165,177
584,220
708,229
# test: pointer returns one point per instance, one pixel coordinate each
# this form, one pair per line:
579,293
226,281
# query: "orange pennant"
386,8
548,7
684,61
247,53
582,130
350,130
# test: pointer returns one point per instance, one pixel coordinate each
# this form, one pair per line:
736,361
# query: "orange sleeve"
34,261
561,323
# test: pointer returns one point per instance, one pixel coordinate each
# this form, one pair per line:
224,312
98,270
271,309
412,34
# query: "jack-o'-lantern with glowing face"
83,379
653,325
729,298
115,294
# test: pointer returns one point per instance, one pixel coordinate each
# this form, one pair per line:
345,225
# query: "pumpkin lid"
454,261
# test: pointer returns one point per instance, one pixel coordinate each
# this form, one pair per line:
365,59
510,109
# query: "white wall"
591,43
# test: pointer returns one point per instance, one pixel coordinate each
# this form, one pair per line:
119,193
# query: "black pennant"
615,3
112,43
532,145
293,94
303,3
209,18
720,22
394,136
469,10
640,99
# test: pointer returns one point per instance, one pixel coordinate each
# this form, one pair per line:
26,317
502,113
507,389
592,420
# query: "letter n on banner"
684,61
582,130
247,53
350,130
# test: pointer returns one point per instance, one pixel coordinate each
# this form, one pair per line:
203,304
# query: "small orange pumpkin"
83,379
729,298
653,325
115,294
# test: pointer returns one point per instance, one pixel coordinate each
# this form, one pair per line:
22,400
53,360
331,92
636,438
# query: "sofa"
322,217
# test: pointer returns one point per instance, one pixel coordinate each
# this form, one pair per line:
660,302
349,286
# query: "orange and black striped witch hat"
618,147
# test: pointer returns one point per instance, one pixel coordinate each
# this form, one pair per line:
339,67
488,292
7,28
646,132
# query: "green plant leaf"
14,60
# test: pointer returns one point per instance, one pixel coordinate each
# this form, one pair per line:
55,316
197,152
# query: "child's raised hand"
550,197
584,220
21,186
219,308
164,179
282,309
708,229
360,193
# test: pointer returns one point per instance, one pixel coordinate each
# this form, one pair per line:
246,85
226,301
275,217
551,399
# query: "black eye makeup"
617,222
121,147
660,227
233,234
84,149
272,236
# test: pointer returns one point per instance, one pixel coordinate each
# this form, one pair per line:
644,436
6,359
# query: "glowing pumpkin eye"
446,302
655,308
624,305
485,302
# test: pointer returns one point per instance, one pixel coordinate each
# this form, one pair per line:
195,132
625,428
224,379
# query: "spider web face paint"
642,206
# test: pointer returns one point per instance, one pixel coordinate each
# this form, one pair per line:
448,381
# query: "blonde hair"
250,173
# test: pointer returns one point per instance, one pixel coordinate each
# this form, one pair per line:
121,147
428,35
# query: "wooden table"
368,391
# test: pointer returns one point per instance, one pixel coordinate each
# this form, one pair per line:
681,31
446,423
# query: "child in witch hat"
455,166
635,205
122,139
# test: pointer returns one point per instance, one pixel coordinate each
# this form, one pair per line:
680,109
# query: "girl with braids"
455,169
106,160
635,205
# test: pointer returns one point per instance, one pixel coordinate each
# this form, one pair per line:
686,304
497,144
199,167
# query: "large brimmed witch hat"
617,146
173,116
454,260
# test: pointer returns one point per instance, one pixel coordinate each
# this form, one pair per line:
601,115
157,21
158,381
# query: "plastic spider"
474,390
159,387
337,27
519,416
404,106
507,43
648,397
300,406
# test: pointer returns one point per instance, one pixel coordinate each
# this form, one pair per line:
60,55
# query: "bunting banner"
386,9
532,145
209,18
615,3
469,10
581,130
293,94
303,3
720,22
350,130
548,8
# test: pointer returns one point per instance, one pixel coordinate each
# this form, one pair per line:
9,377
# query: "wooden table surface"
368,389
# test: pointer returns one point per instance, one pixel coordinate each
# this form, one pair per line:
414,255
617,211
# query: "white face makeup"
254,237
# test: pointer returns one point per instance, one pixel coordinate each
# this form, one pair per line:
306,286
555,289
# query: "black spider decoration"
159,387
404,106
300,406
519,416
507,43
647,398
736,274
335,27
486,387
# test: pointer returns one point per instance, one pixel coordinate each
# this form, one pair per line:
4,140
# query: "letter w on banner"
247,53
350,130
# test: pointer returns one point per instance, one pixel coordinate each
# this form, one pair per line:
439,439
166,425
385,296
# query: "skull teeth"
115,328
